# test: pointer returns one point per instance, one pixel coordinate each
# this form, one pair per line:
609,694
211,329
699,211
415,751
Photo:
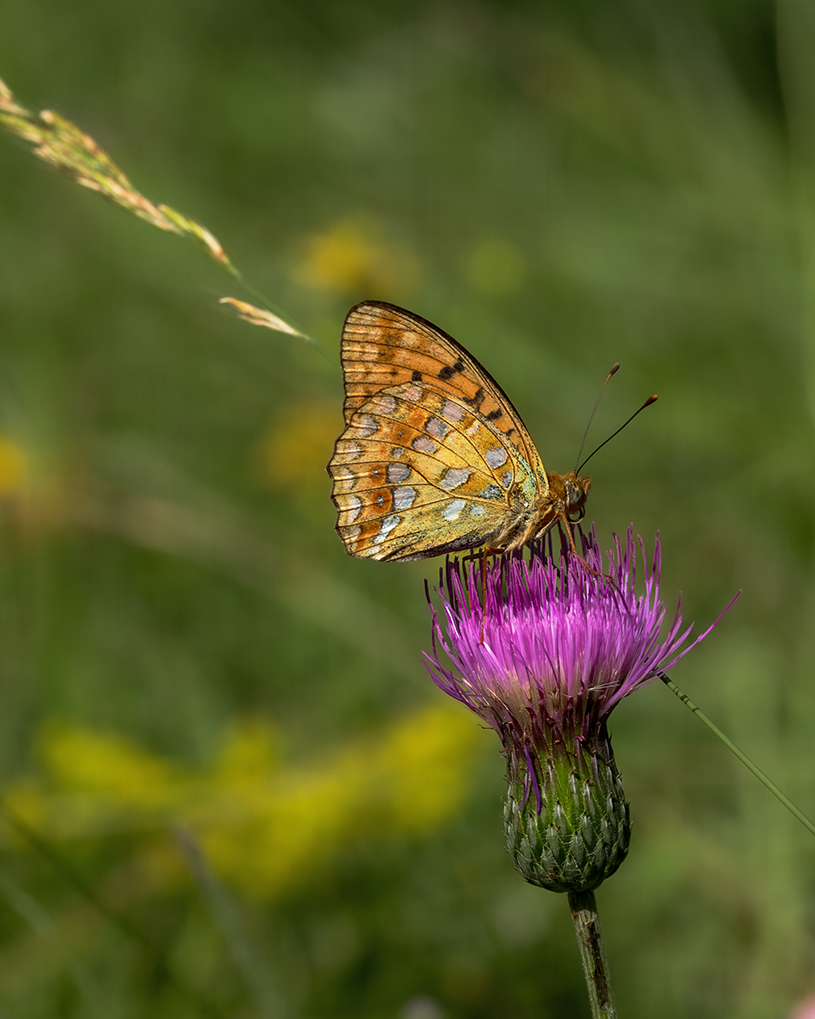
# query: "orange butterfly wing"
434,458
384,346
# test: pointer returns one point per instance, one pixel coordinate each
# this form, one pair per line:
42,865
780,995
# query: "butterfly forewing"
434,456
384,346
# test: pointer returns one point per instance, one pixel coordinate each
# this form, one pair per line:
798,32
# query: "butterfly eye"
575,500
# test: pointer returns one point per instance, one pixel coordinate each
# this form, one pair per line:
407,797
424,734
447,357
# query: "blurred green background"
217,720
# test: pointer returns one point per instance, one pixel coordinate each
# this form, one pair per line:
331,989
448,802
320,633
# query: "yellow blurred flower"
298,445
109,766
265,826
14,467
252,748
420,764
349,257
33,497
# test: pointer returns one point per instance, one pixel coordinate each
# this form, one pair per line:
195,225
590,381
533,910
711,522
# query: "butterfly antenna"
648,402
614,368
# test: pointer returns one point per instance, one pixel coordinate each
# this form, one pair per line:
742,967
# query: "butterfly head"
575,491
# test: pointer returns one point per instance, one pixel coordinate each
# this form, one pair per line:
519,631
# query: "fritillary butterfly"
434,458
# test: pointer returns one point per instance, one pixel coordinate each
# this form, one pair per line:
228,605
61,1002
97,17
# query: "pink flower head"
560,644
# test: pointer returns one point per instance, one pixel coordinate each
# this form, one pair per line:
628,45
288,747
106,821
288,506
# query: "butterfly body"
565,499
434,458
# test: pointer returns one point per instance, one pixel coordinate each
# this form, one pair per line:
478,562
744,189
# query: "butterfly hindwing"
417,473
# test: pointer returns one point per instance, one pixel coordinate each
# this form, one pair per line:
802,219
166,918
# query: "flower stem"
592,954
745,760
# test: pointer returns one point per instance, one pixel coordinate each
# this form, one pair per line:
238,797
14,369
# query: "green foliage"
559,186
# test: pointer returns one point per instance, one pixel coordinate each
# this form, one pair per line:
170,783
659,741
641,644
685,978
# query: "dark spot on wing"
449,370
495,414
416,376
510,432
478,399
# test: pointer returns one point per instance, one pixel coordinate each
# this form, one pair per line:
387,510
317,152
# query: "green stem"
745,760
592,954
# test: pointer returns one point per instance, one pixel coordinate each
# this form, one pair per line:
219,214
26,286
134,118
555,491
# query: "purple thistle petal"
560,645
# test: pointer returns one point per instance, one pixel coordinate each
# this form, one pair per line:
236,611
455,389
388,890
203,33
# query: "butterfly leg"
570,532
485,551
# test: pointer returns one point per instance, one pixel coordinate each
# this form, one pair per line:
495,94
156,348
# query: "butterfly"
434,458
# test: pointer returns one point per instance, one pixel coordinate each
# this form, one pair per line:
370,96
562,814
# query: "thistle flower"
544,658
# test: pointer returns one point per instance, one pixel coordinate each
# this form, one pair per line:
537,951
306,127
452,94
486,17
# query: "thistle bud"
565,814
